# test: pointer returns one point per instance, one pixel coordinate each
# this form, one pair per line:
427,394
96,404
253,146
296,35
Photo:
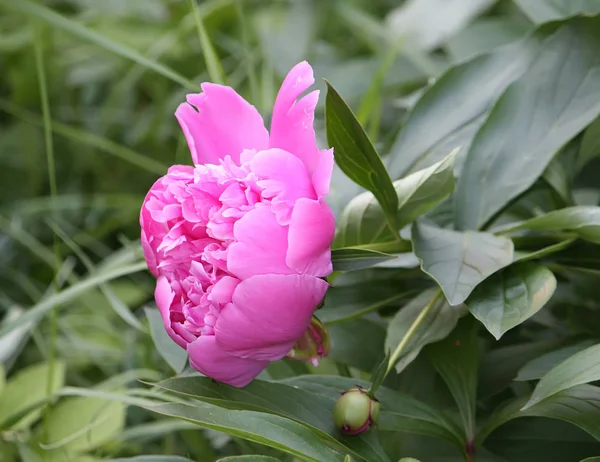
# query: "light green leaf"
511,296
456,359
248,459
541,11
582,367
538,367
583,220
352,259
82,424
306,408
498,168
56,20
173,354
355,154
25,390
14,340
591,459
151,459
270,430
439,320
363,221
459,261
399,412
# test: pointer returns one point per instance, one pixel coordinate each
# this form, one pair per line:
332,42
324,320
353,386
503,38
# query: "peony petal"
222,290
224,125
209,359
321,178
268,315
292,122
310,237
164,296
260,247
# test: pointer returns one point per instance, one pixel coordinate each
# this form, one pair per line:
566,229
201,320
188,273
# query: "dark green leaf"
399,412
173,354
456,359
511,296
498,168
540,11
379,374
363,222
357,343
302,406
459,261
436,324
582,220
538,367
582,367
351,259
355,154
268,429
590,145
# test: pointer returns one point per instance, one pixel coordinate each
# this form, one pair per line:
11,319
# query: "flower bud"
355,411
314,343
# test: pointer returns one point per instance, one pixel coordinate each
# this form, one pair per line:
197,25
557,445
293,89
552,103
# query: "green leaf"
439,320
355,154
363,221
591,459
152,459
583,220
26,389
459,261
352,259
399,412
456,359
540,366
82,424
248,459
268,429
437,124
304,407
47,15
582,367
357,343
543,252
499,168
173,354
579,405
541,11
590,145
511,296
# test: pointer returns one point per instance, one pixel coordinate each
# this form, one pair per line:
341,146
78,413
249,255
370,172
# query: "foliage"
467,254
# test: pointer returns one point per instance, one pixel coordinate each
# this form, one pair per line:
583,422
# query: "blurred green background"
114,71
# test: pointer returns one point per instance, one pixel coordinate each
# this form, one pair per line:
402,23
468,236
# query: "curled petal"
269,313
207,357
310,236
164,296
222,124
321,178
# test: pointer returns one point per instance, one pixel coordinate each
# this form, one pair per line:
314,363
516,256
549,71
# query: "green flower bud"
355,411
314,343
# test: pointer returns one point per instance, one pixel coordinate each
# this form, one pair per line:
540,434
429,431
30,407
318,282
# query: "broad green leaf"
355,154
248,459
399,412
28,388
152,459
499,168
459,261
352,259
268,429
35,313
439,320
437,123
363,221
582,367
538,367
579,405
541,11
173,354
45,14
456,359
590,145
511,296
300,405
82,424
357,343
582,220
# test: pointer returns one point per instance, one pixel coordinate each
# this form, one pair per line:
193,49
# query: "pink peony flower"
241,241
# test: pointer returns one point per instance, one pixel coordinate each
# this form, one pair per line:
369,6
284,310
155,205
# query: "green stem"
412,329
